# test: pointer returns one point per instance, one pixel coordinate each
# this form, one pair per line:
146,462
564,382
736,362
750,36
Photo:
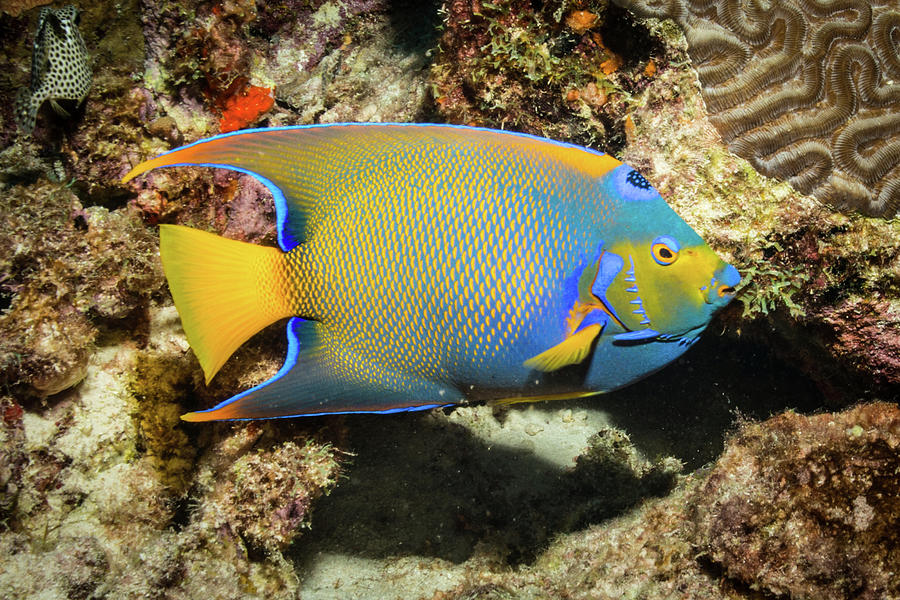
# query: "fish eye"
664,250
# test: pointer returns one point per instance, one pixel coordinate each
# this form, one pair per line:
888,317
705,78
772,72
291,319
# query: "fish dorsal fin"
292,162
570,351
301,165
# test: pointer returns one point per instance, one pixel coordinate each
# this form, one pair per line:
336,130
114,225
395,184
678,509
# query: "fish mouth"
720,290
722,286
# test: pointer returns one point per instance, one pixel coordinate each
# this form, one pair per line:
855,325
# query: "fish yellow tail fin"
224,290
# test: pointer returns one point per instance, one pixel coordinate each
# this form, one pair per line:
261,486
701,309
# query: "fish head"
58,27
671,282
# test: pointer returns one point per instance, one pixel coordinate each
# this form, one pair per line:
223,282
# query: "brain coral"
807,90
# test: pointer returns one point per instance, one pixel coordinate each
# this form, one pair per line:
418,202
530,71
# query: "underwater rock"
612,475
266,496
808,92
14,8
105,496
327,61
12,455
797,507
808,507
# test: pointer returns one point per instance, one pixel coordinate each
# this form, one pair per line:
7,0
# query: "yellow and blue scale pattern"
425,265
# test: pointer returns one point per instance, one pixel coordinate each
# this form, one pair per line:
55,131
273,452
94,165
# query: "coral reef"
796,507
64,275
104,492
98,485
550,71
805,91
825,283
157,384
613,476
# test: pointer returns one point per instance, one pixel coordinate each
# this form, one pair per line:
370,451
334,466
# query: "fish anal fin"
570,351
312,382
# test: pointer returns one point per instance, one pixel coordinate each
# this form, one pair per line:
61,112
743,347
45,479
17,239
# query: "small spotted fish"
428,265
59,66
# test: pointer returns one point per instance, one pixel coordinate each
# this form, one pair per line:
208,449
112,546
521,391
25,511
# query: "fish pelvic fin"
543,398
225,290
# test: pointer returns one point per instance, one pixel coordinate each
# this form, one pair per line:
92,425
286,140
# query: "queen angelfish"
428,265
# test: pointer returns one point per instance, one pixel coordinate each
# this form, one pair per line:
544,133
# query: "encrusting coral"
266,496
808,92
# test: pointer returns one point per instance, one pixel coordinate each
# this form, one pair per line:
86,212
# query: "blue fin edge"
290,361
286,241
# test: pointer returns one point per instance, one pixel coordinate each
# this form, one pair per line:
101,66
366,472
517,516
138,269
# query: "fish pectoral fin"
59,109
570,351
